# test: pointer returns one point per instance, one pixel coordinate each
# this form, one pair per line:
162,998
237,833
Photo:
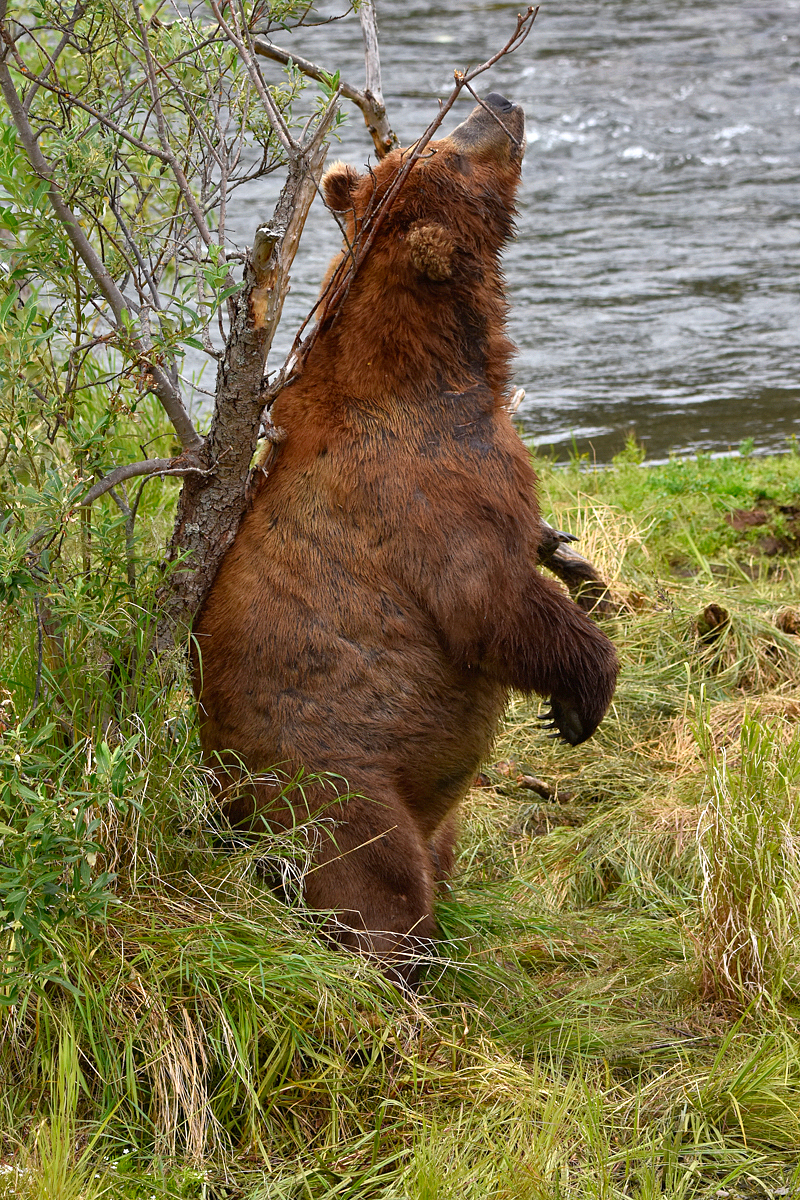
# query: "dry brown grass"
679,743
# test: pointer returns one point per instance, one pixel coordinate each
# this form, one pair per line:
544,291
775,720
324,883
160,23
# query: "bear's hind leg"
442,848
372,871
368,865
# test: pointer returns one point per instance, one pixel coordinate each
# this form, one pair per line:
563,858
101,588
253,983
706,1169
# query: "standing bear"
381,597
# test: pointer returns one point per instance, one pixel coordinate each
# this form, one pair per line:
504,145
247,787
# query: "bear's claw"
566,722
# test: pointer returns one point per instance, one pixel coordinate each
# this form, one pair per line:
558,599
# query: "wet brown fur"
381,597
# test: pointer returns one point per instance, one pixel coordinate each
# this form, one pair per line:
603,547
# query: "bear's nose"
495,100
496,128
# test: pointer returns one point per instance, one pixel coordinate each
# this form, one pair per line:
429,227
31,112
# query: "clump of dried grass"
749,846
724,723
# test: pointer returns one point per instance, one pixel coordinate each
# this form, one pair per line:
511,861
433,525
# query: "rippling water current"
654,282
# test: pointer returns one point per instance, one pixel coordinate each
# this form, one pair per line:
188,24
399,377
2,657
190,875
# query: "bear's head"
430,286
459,195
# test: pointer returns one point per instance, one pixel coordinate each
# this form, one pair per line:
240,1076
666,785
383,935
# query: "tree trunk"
212,502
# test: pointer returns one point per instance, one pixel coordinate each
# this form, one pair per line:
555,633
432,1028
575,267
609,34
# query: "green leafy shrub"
50,848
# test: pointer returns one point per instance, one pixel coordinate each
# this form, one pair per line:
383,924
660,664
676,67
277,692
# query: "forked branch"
185,464
377,121
370,100
374,115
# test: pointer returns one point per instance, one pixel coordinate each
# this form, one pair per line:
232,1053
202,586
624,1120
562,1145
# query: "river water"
655,279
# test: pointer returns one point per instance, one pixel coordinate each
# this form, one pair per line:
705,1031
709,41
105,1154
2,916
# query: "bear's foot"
566,723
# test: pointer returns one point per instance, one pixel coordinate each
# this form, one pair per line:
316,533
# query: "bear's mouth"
494,128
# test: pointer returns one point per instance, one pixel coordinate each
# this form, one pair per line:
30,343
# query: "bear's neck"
413,347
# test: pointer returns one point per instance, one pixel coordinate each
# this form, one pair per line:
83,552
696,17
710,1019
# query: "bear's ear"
431,249
338,184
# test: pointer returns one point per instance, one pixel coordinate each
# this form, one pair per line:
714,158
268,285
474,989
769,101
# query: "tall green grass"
612,1009
749,939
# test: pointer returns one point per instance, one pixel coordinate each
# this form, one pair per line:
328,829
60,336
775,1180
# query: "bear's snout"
495,129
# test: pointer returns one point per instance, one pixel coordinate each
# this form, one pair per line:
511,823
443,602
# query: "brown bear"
381,597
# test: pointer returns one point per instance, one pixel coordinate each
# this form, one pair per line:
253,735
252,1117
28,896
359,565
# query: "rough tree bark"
211,504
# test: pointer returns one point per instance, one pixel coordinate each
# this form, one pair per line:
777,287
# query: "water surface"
654,279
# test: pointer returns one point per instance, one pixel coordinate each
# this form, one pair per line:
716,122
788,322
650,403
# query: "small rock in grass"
788,619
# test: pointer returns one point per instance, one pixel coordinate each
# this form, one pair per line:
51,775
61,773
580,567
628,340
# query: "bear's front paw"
567,723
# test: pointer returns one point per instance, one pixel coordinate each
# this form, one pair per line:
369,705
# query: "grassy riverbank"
616,1007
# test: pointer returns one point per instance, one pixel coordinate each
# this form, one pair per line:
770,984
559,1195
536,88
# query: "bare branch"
270,50
372,58
374,118
185,464
380,130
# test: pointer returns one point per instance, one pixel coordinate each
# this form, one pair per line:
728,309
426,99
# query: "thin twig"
134,250
492,114
274,114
